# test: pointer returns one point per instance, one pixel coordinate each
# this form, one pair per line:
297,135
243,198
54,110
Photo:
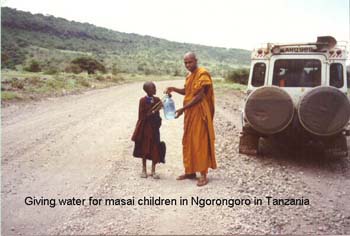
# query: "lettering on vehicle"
298,49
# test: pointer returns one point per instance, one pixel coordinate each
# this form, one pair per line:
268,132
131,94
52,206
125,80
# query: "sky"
222,23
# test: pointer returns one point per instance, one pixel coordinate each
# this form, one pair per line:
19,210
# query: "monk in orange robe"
198,107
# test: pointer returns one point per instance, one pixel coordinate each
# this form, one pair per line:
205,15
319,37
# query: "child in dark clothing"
146,135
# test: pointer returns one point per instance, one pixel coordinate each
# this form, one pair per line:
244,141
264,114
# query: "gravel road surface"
79,146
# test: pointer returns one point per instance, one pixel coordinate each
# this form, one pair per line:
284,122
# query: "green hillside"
54,42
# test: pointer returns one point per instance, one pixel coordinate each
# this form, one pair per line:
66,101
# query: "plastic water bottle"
169,108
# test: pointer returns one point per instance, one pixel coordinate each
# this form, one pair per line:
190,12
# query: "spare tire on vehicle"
269,110
324,111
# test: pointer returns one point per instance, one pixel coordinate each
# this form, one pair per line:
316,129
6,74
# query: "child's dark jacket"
146,134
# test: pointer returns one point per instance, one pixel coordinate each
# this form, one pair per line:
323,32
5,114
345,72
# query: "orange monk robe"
198,138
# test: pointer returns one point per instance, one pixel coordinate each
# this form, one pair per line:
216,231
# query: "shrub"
34,66
17,83
89,64
8,95
240,76
100,78
83,82
117,78
73,69
55,83
176,72
51,71
115,70
34,81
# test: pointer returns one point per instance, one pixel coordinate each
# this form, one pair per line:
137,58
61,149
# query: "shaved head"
191,55
190,61
149,86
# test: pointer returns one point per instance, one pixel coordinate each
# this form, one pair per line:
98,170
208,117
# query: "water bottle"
169,108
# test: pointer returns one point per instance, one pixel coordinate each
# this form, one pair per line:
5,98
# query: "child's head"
150,88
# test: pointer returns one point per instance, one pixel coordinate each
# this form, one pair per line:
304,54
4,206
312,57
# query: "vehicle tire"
324,111
269,110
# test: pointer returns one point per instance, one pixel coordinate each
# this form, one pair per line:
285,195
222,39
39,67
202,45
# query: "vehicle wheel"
324,111
269,110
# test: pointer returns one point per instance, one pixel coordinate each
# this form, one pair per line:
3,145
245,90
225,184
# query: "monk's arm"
177,90
196,99
155,108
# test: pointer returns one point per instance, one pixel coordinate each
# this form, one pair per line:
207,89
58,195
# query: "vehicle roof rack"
323,43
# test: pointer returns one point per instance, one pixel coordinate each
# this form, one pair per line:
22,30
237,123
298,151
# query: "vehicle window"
259,72
336,75
297,73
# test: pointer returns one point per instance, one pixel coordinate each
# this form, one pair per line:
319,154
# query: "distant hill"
54,42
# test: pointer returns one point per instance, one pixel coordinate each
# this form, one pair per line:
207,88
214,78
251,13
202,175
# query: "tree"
89,64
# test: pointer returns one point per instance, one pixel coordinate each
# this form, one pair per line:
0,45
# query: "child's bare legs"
144,171
155,176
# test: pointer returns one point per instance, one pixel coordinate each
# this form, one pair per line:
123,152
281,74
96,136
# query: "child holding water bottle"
146,134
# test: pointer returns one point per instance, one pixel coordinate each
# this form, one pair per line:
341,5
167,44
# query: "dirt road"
79,147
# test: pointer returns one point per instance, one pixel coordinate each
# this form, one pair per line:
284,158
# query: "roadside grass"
220,83
140,77
23,85
9,95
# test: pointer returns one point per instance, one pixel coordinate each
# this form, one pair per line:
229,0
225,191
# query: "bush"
17,83
115,70
34,66
240,76
8,95
101,78
73,69
117,79
89,64
55,83
83,82
35,81
177,72
51,71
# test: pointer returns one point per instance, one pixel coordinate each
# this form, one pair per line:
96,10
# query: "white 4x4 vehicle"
298,94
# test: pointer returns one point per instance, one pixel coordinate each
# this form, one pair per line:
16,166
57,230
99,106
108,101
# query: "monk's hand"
168,90
179,112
